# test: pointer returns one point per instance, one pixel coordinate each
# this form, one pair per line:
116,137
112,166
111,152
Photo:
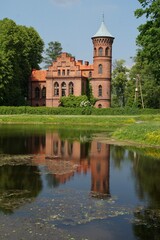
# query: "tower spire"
102,17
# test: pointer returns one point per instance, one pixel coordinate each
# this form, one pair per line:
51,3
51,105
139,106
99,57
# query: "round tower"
102,65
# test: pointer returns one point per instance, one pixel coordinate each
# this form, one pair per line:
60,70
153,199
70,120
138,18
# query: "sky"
74,22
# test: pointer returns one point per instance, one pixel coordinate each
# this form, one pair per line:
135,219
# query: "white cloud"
65,2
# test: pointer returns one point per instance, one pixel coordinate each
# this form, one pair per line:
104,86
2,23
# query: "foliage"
6,110
119,82
73,101
147,59
20,52
52,52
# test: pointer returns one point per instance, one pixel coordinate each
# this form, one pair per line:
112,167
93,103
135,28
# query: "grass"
142,129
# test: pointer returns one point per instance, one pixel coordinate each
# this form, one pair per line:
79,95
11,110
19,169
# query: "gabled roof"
103,31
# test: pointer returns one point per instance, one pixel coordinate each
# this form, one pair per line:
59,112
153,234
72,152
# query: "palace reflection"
63,158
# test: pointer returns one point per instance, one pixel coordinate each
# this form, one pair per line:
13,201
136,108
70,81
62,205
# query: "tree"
119,81
20,51
147,59
52,52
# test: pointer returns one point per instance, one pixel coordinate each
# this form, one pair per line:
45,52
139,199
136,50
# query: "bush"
73,101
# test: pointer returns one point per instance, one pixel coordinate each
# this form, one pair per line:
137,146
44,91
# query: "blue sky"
74,22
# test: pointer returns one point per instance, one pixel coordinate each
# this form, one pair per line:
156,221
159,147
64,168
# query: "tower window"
100,52
100,68
107,51
95,52
99,91
63,89
56,89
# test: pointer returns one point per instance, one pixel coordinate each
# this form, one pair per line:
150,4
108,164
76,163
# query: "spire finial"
103,17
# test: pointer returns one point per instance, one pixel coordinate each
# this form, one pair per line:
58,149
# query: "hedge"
4,110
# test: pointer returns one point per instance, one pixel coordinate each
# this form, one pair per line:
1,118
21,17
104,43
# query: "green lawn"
143,129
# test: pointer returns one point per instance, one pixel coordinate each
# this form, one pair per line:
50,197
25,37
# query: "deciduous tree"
20,51
148,54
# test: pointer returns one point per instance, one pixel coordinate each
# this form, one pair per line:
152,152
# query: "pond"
70,184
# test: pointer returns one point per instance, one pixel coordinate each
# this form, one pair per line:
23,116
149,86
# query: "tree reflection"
18,185
147,175
118,155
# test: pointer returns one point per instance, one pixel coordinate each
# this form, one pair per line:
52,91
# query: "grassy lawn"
143,129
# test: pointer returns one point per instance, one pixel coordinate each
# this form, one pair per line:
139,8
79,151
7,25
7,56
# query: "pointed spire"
103,31
103,17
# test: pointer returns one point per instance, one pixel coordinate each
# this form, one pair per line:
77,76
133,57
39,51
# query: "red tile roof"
38,75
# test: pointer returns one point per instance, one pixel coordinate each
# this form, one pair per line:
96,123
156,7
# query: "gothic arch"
56,89
71,88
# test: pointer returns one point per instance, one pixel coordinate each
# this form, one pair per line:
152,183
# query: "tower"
102,64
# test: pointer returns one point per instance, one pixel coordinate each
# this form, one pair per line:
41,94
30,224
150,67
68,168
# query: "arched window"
90,74
99,105
99,91
100,68
71,89
37,93
56,89
63,89
43,92
95,52
107,51
100,52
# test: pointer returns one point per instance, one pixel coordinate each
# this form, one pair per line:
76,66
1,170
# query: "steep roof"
38,75
102,31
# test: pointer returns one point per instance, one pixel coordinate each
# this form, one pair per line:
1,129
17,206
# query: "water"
69,184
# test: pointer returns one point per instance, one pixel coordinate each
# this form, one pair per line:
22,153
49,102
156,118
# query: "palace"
66,76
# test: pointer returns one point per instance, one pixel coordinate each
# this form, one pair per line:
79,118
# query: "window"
99,91
56,89
68,72
63,89
107,51
99,105
43,92
90,74
100,69
59,72
100,51
63,72
71,89
37,93
95,52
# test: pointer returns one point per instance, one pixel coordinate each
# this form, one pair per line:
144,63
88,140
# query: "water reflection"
64,158
18,185
122,181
